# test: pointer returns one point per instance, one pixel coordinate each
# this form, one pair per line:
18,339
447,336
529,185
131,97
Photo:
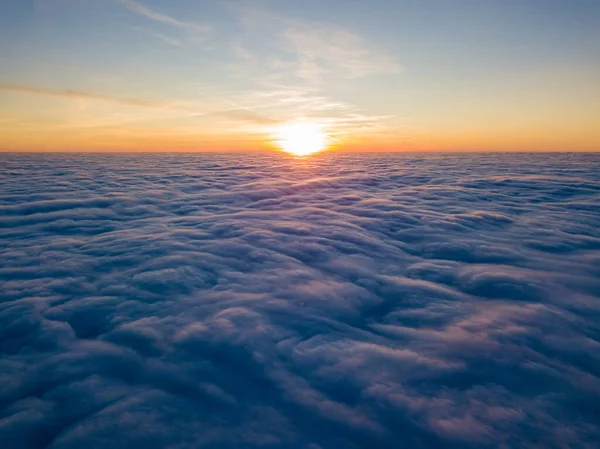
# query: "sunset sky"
374,75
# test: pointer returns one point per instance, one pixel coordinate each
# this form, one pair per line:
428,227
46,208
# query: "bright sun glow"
301,139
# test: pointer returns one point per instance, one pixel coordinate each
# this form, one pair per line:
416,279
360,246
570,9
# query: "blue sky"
401,74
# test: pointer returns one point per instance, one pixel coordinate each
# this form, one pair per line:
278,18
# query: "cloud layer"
346,301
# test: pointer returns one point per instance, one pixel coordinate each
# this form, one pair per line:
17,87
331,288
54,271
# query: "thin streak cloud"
163,37
235,114
246,115
75,94
144,11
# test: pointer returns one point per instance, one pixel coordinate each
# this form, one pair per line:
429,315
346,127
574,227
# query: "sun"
301,139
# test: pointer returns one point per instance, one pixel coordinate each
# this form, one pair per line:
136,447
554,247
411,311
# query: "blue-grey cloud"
347,301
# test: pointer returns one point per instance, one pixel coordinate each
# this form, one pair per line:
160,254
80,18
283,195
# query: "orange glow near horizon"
296,138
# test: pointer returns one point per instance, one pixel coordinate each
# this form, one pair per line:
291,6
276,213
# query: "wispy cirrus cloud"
292,61
322,49
314,51
142,10
198,32
291,103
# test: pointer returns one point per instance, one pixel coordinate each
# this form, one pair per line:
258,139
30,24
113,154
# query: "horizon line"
285,153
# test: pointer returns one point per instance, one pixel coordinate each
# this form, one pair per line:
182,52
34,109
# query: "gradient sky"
384,75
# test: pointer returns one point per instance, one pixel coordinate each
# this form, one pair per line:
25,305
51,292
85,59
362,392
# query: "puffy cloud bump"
341,301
